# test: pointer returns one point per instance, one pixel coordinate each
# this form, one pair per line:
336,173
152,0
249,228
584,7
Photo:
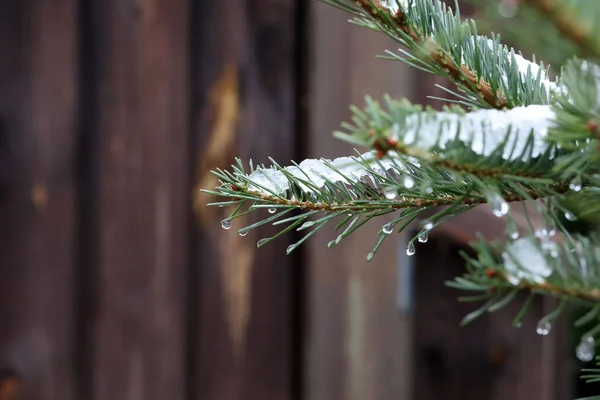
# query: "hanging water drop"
261,242
514,280
242,233
410,249
429,190
332,243
512,230
586,349
272,210
576,184
226,223
423,237
370,256
387,229
427,225
570,216
390,193
550,227
499,205
409,182
290,248
543,328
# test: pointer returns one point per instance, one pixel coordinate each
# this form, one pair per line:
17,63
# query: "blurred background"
117,282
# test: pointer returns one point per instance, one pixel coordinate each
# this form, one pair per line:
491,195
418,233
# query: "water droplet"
570,216
387,229
261,242
350,214
409,182
586,349
508,8
543,328
429,190
272,210
514,280
518,325
332,243
576,184
390,193
290,248
427,224
370,256
550,227
512,231
410,249
423,237
499,205
242,233
226,223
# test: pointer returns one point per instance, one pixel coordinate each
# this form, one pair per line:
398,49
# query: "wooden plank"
356,341
246,102
38,197
138,325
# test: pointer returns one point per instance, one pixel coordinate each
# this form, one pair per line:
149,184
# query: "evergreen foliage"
511,133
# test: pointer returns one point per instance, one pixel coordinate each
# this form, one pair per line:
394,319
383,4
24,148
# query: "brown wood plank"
38,195
138,327
357,343
246,99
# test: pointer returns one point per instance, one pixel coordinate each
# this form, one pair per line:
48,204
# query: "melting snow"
526,259
482,130
317,172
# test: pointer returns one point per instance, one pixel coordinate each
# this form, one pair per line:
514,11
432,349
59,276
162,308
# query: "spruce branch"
568,24
458,73
540,264
437,41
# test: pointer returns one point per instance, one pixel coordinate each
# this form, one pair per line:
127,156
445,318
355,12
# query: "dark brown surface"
246,101
138,325
38,189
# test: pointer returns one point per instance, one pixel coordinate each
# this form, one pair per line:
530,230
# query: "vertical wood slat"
38,189
245,106
356,340
142,137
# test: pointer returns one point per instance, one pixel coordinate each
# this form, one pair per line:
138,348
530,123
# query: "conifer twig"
567,24
458,74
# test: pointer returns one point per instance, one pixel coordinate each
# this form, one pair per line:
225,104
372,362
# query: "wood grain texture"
38,190
245,105
142,135
356,344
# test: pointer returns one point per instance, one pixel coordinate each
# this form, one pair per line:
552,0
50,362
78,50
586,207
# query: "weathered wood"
38,190
142,136
357,344
245,104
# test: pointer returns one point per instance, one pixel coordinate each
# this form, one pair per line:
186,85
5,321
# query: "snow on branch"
311,175
520,132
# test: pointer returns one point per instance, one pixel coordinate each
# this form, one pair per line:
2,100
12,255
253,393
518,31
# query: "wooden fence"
116,282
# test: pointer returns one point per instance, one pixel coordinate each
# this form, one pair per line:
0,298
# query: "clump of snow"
392,5
317,172
482,130
527,259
